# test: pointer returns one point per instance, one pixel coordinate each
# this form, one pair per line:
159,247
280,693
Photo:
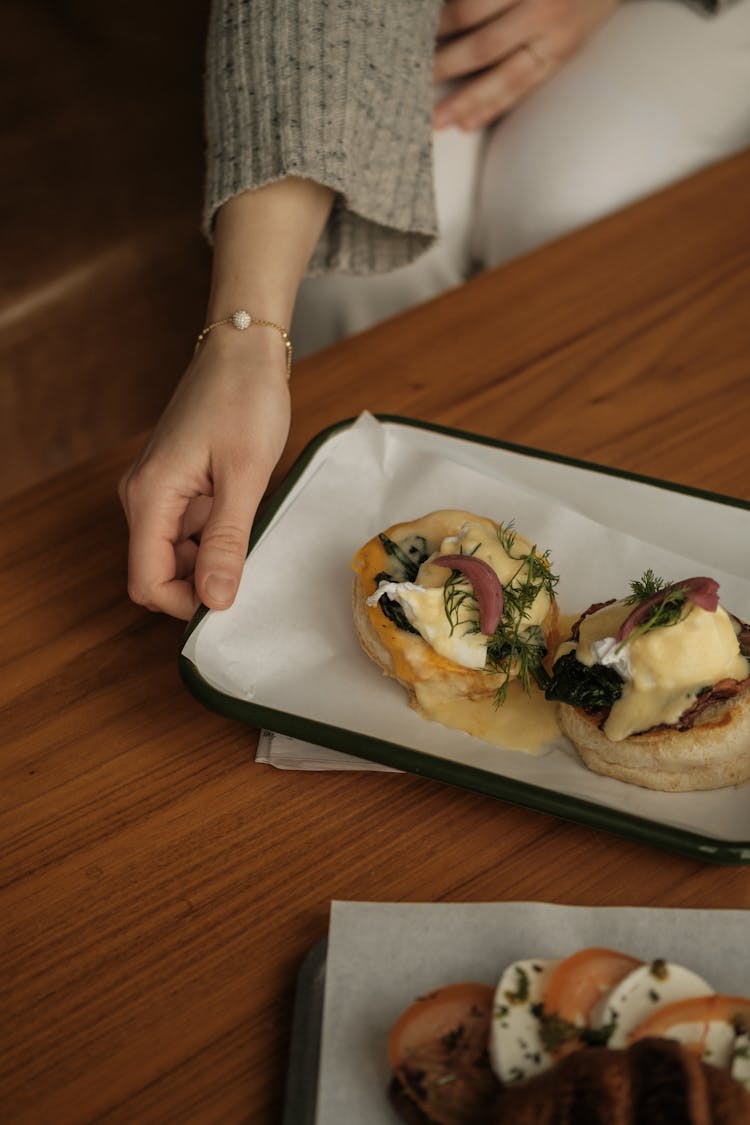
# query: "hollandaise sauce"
431,588
524,721
665,669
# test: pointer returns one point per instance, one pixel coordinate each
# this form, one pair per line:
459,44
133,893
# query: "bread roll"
653,1082
713,753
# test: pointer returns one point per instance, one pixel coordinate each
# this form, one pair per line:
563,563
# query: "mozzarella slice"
516,1048
643,992
741,1059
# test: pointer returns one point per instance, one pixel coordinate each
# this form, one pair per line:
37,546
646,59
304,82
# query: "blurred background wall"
103,271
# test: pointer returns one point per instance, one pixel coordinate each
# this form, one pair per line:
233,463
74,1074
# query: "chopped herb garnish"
452,1038
408,554
596,1036
554,1031
522,988
653,995
659,969
418,549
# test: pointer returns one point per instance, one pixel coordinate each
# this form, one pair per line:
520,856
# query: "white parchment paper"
288,642
381,956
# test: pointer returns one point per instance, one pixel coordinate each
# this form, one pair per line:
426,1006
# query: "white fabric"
331,307
657,93
287,753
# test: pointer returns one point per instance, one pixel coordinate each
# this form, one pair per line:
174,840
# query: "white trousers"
658,92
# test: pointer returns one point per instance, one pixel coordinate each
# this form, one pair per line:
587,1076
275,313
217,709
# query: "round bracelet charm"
241,319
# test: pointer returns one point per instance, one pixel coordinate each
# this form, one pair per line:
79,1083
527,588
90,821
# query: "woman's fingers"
167,570
157,575
196,516
471,52
460,15
224,539
483,99
185,554
501,52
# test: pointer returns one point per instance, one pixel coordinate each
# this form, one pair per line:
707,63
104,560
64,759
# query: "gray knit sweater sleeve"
336,91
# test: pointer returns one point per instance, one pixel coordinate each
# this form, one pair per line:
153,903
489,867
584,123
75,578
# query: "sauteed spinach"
594,689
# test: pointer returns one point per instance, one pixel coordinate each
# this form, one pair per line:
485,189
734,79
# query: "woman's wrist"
240,321
264,240
257,349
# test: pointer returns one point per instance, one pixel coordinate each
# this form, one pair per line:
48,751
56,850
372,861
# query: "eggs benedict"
455,607
654,688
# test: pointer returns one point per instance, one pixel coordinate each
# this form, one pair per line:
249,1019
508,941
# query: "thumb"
223,546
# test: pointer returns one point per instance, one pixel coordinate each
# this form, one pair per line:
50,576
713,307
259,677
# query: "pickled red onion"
487,587
703,592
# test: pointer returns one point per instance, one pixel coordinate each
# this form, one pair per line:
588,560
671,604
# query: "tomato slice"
698,1009
580,981
438,1051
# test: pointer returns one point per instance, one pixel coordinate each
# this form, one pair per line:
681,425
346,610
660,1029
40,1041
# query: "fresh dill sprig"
643,587
667,610
507,537
516,645
459,594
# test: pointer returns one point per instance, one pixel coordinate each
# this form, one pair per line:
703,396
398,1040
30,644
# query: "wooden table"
159,889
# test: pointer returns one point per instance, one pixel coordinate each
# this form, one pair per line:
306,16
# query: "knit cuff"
336,93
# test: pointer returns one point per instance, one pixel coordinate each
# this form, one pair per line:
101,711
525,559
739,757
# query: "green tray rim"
565,806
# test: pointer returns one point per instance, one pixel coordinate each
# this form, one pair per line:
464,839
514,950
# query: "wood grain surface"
103,262
159,889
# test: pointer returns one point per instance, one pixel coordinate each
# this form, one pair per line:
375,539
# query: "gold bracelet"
242,319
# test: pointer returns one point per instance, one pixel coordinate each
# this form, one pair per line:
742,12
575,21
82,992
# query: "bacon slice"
724,689
575,631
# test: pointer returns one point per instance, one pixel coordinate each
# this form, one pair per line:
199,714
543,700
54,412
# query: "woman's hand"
191,496
504,49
